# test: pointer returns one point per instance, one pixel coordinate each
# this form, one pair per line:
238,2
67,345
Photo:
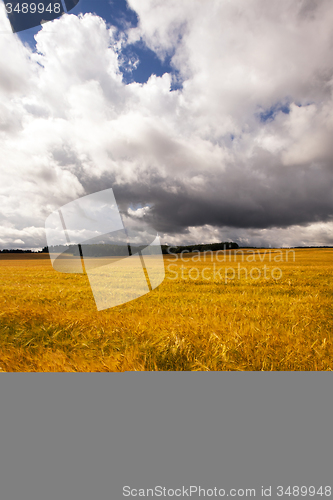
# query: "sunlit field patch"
49,320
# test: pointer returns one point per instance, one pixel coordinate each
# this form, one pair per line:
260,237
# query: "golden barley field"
201,318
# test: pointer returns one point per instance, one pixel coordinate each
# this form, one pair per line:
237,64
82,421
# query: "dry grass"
49,321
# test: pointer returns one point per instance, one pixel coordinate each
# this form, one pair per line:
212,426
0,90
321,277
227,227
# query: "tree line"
100,250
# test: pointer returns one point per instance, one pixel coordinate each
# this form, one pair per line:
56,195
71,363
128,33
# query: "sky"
212,120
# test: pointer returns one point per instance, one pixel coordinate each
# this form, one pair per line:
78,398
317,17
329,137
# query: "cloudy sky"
211,119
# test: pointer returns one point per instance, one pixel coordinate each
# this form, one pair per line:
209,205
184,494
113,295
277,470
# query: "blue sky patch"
270,114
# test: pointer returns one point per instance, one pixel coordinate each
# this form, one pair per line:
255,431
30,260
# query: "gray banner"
114,436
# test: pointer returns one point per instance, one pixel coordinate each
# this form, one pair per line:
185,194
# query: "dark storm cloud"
262,194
